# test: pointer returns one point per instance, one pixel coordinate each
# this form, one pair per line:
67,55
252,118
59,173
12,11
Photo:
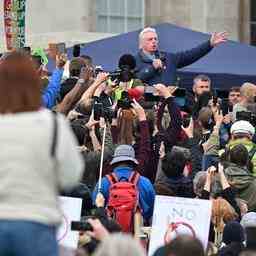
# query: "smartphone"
225,106
61,48
180,92
98,111
26,50
186,121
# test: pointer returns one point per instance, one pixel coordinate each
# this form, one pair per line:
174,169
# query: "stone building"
86,20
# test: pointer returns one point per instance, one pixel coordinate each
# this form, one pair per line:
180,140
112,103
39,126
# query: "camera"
226,107
125,101
26,50
81,226
98,111
126,69
186,121
246,116
61,48
102,108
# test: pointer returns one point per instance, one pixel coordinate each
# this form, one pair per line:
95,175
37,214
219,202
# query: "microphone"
127,61
76,50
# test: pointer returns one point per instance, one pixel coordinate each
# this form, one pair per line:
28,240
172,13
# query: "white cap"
242,127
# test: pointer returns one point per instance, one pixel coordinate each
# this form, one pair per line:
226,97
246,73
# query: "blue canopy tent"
229,64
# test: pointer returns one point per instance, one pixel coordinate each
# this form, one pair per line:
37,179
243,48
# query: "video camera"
125,101
102,108
126,69
246,116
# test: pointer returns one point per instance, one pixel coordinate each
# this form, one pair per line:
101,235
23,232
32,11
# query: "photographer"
214,175
51,92
247,98
238,175
73,96
242,132
75,68
171,134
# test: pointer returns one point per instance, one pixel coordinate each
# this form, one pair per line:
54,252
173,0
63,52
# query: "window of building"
253,22
118,16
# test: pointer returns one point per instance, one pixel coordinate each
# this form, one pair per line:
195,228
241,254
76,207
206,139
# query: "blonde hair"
248,90
143,32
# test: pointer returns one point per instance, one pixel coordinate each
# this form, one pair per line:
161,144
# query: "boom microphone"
76,50
127,60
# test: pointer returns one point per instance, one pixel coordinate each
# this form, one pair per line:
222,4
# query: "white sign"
71,209
178,216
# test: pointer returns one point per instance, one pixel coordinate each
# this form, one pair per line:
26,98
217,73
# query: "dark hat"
233,232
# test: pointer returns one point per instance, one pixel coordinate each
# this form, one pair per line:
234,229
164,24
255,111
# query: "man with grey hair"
202,84
156,67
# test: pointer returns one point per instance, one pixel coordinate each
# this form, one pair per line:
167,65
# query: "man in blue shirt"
161,67
51,92
124,163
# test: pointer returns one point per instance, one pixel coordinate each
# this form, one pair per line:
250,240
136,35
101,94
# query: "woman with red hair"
38,157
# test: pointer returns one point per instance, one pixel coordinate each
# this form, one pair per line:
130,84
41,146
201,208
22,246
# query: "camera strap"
252,152
54,135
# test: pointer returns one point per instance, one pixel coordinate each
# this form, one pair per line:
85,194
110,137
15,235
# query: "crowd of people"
102,137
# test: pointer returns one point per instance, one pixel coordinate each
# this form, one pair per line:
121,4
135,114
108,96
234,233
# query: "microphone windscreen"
127,60
76,50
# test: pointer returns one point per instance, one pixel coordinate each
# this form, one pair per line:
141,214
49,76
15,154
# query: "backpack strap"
134,178
55,135
112,178
252,152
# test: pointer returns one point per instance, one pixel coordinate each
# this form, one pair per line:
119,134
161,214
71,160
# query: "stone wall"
71,20
57,21
203,15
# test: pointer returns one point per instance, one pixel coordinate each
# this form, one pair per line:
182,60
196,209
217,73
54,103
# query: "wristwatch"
81,81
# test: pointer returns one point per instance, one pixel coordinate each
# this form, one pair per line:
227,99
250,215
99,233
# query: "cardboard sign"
175,216
71,210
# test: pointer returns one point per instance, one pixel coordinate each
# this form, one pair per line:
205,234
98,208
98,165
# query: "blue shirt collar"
123,169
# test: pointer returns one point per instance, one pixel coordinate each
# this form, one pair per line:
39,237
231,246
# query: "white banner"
71,210
177,216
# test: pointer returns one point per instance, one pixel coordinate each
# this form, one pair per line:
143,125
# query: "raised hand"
218,38
139,110
190,129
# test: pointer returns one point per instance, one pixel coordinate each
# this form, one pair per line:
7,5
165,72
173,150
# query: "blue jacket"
172,62
145,188
51,92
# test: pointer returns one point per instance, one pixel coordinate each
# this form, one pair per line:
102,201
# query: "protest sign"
175,216
71,210
14,23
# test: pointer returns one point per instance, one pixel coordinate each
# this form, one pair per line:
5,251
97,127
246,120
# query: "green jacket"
248,144
244,183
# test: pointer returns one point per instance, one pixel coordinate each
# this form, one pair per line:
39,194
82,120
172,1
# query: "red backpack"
123,200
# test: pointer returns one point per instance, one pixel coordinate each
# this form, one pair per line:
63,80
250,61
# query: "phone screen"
61,47
98,111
